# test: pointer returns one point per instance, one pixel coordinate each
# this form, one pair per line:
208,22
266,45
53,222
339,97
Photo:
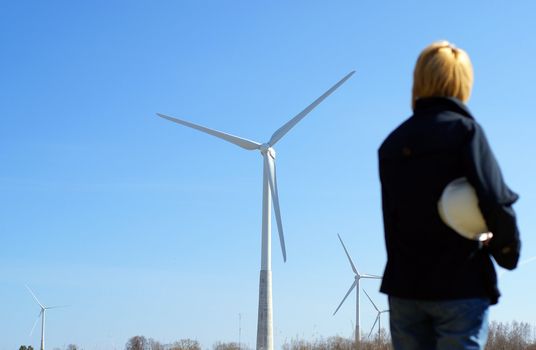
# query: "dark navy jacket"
425,258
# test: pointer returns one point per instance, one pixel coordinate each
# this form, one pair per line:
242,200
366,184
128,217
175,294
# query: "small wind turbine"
378,317
42,315
358,276
269,197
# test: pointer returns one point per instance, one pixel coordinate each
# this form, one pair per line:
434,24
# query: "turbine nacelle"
267,149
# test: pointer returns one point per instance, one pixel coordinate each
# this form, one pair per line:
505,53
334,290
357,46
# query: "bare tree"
510,336
229,346
72,347
154,345
380,341
137,342
339,343
332,343
186,344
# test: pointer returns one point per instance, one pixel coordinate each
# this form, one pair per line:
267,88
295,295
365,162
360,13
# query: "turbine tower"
378,317
358,276
269,197
42,315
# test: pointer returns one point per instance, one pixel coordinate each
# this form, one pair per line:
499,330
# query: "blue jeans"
443,325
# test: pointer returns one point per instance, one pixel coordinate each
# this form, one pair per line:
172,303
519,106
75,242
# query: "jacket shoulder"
442,129
393,136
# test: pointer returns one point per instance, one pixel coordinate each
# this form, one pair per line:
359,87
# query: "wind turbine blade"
372,328
35,323
270,168
35,298
244,143
371,300
290,124
348,255
371,276
346,296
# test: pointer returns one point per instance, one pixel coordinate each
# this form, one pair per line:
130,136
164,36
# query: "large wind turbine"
378,316
42,315
355,285
269,197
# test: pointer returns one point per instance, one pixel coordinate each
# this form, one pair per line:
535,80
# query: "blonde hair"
442,70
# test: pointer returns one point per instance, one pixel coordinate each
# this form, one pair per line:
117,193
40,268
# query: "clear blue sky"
148,228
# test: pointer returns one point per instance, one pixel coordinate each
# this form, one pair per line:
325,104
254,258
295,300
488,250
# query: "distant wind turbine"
378,316
269,197
357,277
42,315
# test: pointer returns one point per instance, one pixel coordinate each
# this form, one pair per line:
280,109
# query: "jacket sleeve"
495,198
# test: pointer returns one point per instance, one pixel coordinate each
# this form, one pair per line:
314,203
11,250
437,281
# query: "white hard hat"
458,208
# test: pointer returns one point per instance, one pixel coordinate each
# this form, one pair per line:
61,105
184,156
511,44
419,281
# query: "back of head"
442,70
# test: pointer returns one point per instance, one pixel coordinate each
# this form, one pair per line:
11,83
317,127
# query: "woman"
440,284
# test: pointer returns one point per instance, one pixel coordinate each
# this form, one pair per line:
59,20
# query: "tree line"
141,343
502,336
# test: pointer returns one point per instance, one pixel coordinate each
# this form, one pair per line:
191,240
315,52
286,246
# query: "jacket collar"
428,104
